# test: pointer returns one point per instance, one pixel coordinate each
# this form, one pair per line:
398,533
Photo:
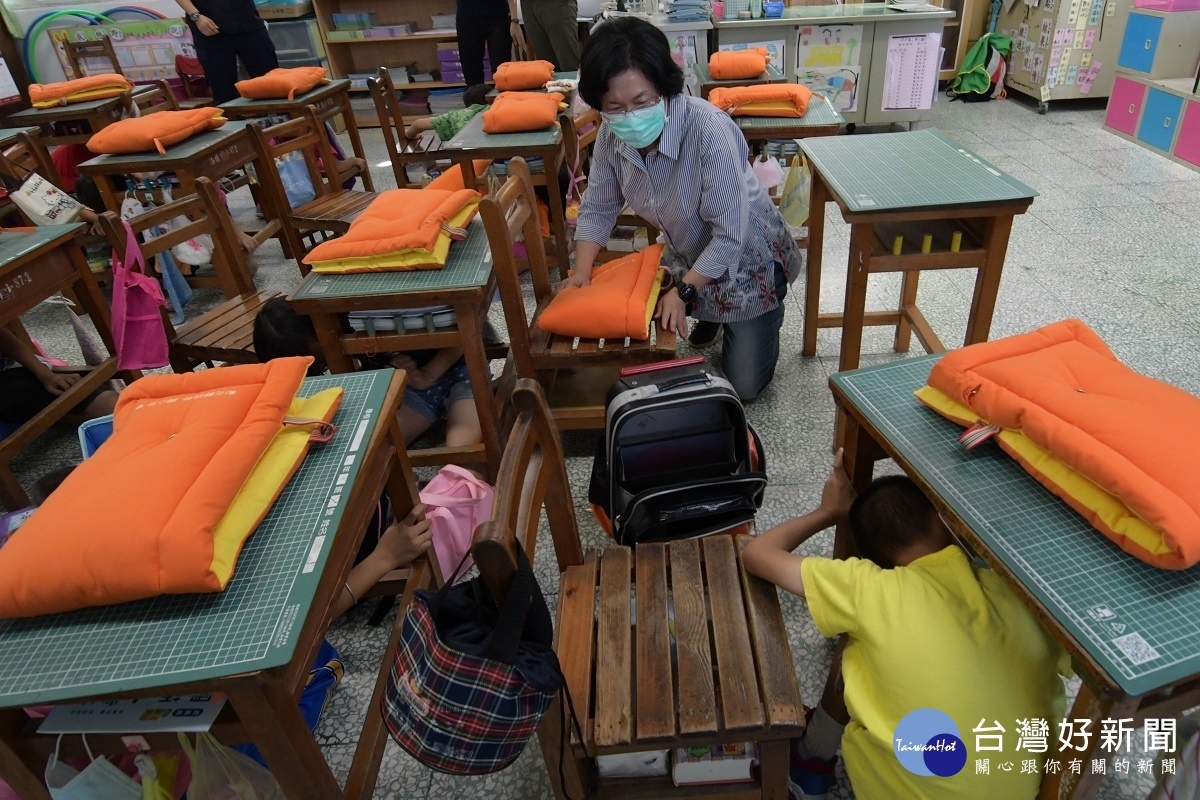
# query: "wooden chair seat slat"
740,704
614,666
655,684
697,695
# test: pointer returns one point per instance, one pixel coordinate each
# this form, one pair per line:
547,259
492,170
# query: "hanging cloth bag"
456,503
137,325
40,200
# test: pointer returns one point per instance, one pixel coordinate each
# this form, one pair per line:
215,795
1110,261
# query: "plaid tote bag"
471,681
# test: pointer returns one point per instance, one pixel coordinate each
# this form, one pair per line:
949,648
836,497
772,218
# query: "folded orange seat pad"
194,463
618,302
1119,447
156,131
452,178
283,82
520,112
516,76
736,65
79,90
402,229
764,100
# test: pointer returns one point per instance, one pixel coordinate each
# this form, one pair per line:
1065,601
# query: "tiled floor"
1114,239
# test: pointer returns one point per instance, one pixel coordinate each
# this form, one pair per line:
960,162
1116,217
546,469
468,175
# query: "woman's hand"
58,382
207,26
672,312
578,277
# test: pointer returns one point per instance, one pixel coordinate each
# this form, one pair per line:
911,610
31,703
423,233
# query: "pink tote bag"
137,324
456,503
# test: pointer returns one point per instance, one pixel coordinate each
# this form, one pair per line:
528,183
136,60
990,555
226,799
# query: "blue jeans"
750,348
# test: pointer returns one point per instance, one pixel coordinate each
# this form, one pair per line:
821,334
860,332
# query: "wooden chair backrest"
192,75
533,475
507,213
25,156
159,98
79,52
304,135
401,150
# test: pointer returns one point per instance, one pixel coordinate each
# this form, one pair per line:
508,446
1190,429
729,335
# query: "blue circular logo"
927,742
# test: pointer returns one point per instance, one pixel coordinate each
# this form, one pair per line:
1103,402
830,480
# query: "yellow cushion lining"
98,93
652,299
402,260
1106,509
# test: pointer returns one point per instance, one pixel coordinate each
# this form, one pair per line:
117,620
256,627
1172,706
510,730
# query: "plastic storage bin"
296,39
1168,5
94,433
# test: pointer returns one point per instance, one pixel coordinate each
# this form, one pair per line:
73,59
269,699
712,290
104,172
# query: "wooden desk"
330,100
467,283
708,83
472,143
37,263
255,641
1127,625
891,184
90,117
8,136
821,119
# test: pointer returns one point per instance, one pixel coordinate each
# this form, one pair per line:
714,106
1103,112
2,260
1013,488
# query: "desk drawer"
1125,106
1160,119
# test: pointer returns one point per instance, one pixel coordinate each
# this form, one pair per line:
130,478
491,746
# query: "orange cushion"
619,301
764,100
137,519
93,87
736,65
452,179
515,76
519,112
155,131
282,83
1132,436
397,220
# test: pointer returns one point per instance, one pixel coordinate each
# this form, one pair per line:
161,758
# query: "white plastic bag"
219,773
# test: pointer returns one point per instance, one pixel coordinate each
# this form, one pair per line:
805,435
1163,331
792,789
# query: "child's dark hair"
476,95
889,517
279,331
49,482
88,194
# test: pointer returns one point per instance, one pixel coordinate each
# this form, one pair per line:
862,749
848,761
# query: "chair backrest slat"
78,52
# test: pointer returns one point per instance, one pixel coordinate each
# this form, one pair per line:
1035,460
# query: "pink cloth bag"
456,503
137,324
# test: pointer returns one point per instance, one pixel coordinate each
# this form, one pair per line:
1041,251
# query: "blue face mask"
640,127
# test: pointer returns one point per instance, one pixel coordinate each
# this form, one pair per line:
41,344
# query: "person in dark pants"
553,31
224,31
484,22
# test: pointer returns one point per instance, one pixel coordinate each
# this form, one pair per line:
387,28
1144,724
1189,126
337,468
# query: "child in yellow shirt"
928,636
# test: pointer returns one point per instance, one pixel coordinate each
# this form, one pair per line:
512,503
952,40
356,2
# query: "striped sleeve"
602,200
724,201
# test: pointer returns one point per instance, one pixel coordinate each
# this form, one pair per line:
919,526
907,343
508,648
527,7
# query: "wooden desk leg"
1066,785
858,459
558,218
329,336
271,717
812,283
356,139
987,279
16,773
774,763
854,311
471,333
908,299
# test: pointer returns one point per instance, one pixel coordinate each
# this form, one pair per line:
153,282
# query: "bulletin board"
145,50
828,61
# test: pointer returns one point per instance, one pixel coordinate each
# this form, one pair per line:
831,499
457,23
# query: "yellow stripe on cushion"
1103,509
402,260
652,299
274,469
82,97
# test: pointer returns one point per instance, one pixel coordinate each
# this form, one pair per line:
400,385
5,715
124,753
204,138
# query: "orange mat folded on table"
1118,447
618,302
521,112
155,131
516,76
451,179
150,512
79,90
282,83
736,65
764,100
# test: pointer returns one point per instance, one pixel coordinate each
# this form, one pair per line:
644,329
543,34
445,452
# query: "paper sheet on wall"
912,68
9,93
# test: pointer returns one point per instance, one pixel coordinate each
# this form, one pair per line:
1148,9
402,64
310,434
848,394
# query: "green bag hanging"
981,76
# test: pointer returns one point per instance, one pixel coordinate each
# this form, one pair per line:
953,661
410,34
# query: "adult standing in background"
553,31
224,31
485,22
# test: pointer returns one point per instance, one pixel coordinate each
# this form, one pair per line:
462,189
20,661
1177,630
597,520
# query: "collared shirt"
698,187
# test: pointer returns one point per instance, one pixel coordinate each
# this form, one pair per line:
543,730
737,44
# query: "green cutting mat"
472,137
243,103
34,115
882,171
185,149
701,70
1140,623
469,264
820,112
14,244
252,625
8,134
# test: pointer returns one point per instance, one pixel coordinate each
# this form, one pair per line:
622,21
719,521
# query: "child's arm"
426,376
418,127
399,545
55,383
770,556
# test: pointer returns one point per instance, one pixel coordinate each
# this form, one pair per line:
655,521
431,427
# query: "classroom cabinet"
1160,119
1187,146
1125,105
1160,44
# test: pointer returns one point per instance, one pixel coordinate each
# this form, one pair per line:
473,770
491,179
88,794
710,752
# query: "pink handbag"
456,503
137,323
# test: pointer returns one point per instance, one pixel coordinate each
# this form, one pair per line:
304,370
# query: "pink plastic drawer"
1168,5
1187,146
1125,105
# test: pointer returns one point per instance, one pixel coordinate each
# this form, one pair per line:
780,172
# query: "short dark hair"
622,44
476,95
889,517
89,194
49,483
280,332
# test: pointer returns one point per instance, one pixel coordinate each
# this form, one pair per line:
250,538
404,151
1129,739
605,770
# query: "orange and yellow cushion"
516,76
618,302
736,65
79,90
1117,446
452,179
402,229
155,131
764,100
521,112
194,463
283,83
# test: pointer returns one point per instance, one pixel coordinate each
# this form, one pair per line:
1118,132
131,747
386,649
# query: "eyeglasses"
616,116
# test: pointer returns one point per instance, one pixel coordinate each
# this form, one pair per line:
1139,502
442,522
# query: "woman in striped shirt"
683,165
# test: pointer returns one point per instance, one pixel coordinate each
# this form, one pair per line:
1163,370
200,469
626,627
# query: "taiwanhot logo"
927,742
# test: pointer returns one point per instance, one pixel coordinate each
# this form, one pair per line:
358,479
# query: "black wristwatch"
687,292
194,16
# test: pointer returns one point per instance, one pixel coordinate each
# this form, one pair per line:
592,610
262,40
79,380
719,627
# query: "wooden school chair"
157,96
334,208
578,398
402,151
195,85
79,53
226,333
